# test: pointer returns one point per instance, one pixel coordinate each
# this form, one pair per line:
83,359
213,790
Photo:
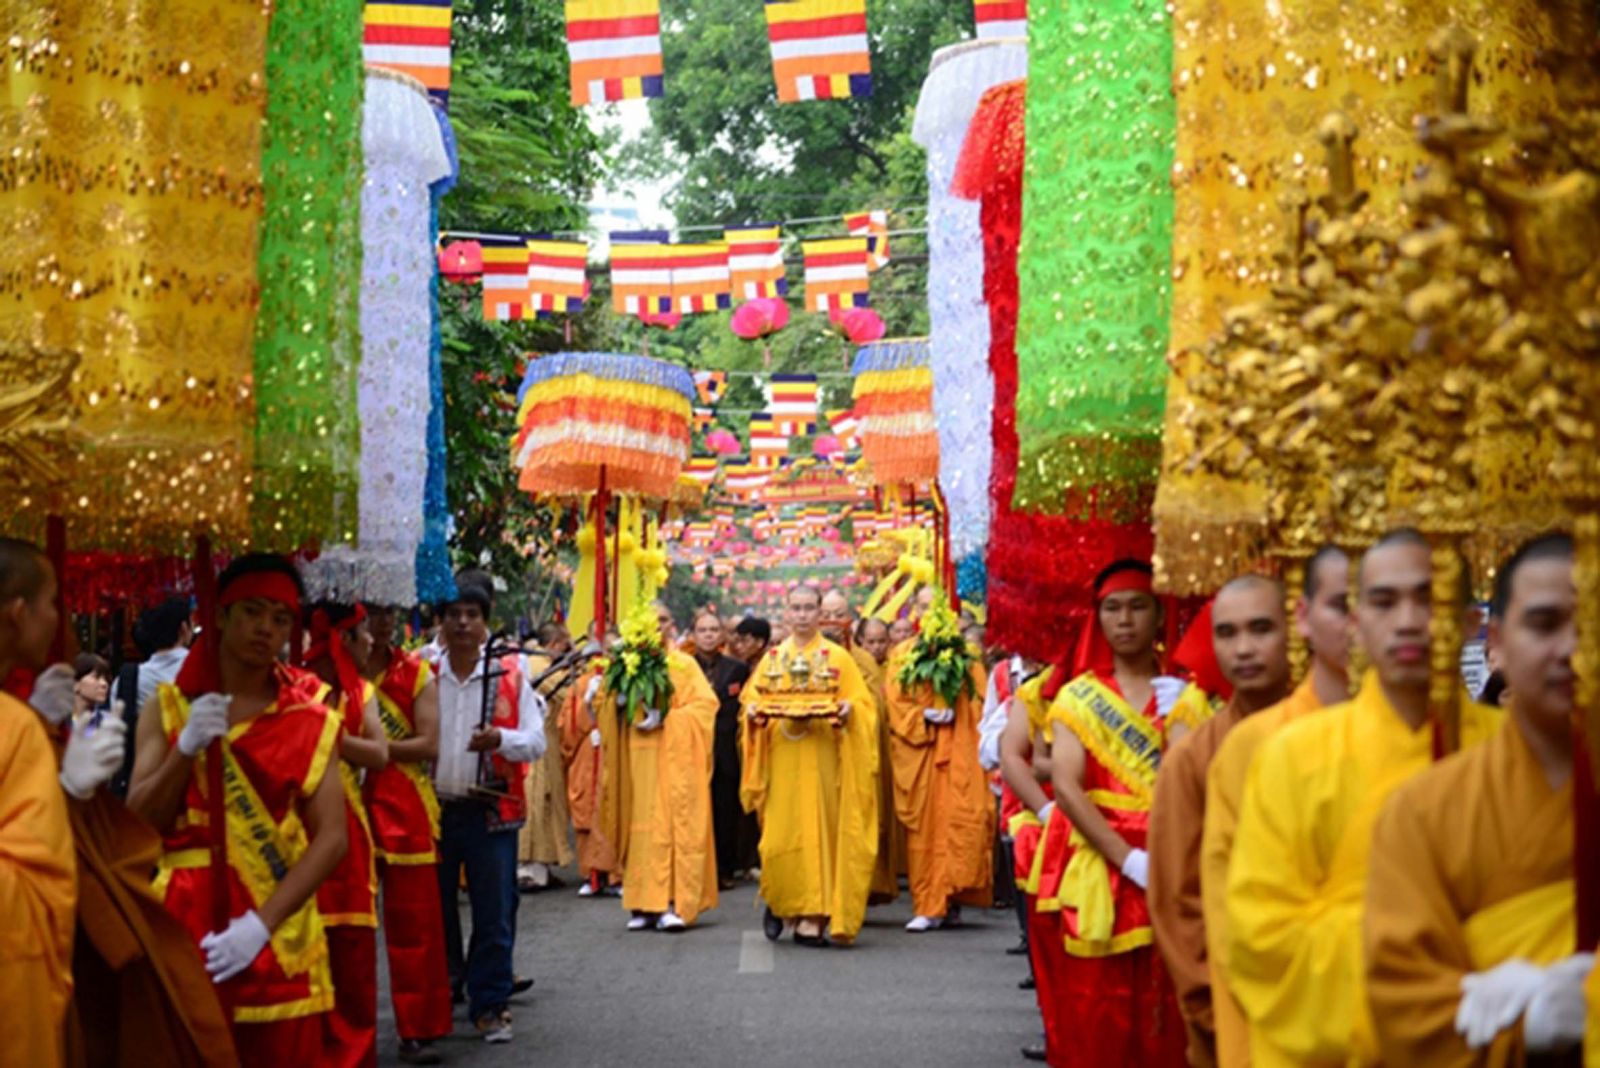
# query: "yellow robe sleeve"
38,889
1294,954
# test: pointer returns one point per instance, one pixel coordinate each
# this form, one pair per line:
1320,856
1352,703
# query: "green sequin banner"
1094,268
308,332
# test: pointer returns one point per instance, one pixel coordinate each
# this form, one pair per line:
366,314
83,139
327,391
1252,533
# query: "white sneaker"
639,922
671,921
586,890
920,924
495,1027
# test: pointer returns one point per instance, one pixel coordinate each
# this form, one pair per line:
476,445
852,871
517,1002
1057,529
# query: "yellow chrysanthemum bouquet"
940,656
637,674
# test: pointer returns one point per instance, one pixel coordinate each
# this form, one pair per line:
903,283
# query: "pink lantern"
743,584
722,442
830,533
461,261
759,318
825,446
665,320
860,325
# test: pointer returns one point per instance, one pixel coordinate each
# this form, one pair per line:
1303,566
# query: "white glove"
844,712
52,694
939,717
651,721
1136,866
229,953
1167,690
594,737
93,754
1045,812
208,721
1555,1015
1491,1001
590,690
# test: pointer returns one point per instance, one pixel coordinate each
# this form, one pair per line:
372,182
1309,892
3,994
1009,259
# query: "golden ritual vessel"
796,688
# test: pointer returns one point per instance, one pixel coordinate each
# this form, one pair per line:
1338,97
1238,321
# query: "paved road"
721,995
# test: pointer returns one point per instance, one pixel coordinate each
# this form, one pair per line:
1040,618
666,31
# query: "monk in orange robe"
1106,746
580,748
282,810
38,875
941,792
1470,931
1322,618
1249,635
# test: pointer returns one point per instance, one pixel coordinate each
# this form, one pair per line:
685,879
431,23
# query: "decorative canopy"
894,404
583,413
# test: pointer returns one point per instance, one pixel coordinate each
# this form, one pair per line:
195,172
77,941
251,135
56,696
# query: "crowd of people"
1212,862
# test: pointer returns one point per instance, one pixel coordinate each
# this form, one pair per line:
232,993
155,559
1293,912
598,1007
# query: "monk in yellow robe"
656,801
580,749
941,792
836,624
1323,619
38,876
813,783
1249,635
1470,930
542,843
1299,865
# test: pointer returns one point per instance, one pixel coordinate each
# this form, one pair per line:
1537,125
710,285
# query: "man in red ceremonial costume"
404,814
1107,736
340,645
282,825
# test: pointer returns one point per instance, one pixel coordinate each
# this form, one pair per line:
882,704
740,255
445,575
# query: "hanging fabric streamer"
435,579
894,402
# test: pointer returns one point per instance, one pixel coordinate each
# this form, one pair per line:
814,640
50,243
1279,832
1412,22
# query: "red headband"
323,643
201,672
266,585
1135,580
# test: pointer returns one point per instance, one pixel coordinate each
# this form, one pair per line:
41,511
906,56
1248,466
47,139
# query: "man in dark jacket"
727,676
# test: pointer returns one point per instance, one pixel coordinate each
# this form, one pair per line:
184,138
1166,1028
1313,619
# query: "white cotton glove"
1045,812
93,754
229,953
939,717
1555,1015
594,737
52,694
1167,690
1491,1001
1136,866
208,721
844,712
590,690
651,721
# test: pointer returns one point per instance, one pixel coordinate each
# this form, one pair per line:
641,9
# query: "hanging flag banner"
836,271
755,262
412,37
874,226
700,279
844,425
557,276
701,469
615,50
1000,18
794,403
768,447
703,418
819,49
744,479
505,279
711,386
641,276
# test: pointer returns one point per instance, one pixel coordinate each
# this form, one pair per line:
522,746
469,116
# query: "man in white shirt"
489,730
163,634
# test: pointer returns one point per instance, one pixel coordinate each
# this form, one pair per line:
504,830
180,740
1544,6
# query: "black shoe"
1033,1053
1018,950
771,926
520,985
458,996
1027,984
415,1052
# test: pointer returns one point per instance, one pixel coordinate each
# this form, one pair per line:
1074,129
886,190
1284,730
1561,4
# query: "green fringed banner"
1094,268
308,333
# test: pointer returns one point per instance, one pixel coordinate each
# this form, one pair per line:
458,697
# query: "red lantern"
722,442
860,325
461,261
665,320
760,317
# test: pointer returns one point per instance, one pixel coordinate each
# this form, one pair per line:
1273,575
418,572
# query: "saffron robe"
655,801
891,862
941,794
583,774
1299,868
815,788
1471,867
543,838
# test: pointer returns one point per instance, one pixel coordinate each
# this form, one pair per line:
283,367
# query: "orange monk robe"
543,838
1224,793
582,758
1176,818
941,794
655,801
1297,876
891,833
814,787
140,994
38,890
1471,867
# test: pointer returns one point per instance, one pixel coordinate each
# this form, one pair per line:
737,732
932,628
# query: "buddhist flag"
794,403
836,273
768,446
755,262
712,386
615,49
505,279
745,479
845,428
1001,18
703,418
819,49
874,226
701,469
641,272
557,275
700,279
413,37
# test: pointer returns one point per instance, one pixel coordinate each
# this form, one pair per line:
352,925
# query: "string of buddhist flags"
412,37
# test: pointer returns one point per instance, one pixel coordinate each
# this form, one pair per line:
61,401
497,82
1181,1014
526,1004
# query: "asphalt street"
721,994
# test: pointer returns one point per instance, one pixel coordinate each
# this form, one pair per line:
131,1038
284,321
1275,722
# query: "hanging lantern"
860,325
461,261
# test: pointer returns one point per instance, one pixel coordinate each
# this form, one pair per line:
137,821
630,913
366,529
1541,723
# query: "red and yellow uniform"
347,900
1112,980
403,811
272,764
1029,847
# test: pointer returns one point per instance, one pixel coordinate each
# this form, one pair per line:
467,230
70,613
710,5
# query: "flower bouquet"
940,656
637,674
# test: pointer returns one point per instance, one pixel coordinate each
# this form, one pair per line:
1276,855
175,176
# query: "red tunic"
348,897
403,807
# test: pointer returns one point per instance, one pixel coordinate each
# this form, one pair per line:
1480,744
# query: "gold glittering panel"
129,201
1253,81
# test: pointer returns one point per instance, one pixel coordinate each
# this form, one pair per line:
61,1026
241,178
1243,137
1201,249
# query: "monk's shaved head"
1253,581
1249,631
